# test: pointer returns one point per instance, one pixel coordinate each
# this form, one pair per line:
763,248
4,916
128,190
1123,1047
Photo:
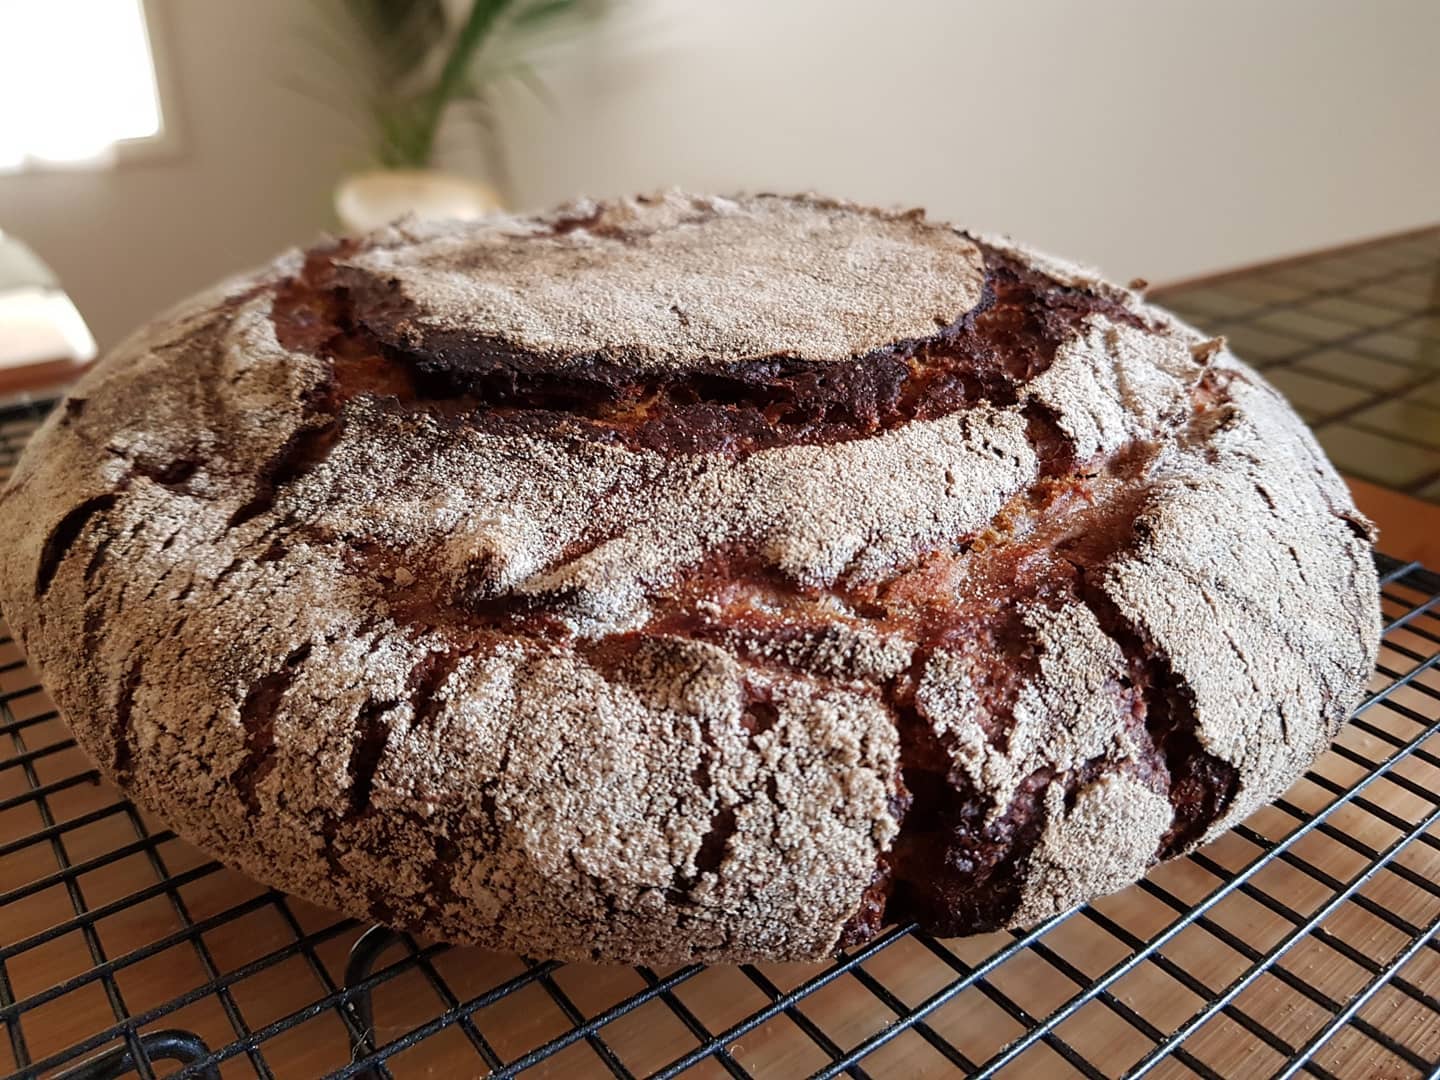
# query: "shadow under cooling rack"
1303,941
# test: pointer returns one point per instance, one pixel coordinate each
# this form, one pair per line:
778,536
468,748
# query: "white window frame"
166,144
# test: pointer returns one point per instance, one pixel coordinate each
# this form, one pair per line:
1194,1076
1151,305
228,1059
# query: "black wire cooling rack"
1305,940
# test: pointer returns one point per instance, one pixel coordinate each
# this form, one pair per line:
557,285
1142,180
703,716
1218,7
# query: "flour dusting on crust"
687,578
653,282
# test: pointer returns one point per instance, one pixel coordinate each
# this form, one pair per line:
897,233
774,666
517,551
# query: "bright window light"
76,77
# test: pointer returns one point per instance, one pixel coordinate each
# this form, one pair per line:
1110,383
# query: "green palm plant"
408,62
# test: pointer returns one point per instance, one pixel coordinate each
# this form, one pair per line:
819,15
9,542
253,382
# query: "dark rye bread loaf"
687,578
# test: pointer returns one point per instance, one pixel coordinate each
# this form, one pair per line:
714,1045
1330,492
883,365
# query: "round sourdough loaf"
687,578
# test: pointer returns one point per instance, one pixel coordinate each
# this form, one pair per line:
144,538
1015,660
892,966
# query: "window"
77,82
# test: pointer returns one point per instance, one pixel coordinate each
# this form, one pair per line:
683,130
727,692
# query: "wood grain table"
1409,527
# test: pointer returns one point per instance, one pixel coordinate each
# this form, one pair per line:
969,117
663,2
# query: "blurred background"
1161,140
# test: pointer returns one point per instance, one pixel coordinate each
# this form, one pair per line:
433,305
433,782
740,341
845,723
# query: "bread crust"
687,578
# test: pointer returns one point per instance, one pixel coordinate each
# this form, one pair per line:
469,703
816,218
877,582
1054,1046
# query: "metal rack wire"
1306,940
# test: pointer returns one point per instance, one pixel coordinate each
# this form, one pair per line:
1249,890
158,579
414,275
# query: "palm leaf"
544,11
401,33
409,64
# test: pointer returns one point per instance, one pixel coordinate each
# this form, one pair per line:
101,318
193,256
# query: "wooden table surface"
1409,527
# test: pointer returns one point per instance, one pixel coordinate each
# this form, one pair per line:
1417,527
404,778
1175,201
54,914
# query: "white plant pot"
377,197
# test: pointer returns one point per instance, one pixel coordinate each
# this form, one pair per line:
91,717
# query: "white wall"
1159,138
1155,138
253,173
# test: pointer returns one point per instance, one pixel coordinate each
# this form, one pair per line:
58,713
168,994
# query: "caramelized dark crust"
736,408
696,651
1039,549
956,866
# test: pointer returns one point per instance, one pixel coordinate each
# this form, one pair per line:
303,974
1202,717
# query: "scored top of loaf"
651,282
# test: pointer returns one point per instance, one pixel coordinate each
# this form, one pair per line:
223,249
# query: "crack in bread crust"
728,627
733,407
